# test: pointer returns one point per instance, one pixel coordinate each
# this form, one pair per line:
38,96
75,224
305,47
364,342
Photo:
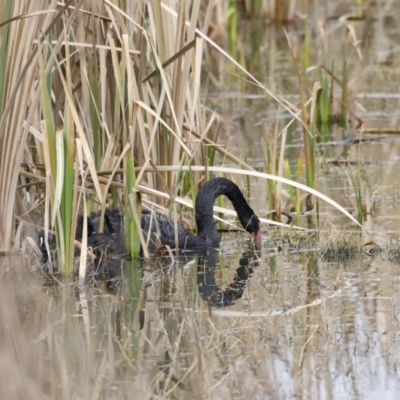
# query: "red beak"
258,236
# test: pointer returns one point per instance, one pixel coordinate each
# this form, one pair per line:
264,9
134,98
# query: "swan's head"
253,227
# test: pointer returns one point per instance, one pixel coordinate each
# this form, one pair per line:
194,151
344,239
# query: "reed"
109,108
100,106
102,96
356,185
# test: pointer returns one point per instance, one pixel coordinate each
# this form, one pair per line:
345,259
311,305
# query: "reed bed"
107,92
102,104
105,86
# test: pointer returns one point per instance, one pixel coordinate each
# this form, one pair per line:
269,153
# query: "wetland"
314,312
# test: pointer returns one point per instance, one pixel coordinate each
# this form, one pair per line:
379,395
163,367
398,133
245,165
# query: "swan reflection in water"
208,271
113,270
212,292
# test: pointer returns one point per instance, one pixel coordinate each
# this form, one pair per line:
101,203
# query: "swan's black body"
159,230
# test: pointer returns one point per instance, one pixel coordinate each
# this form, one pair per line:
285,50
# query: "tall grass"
98,87
279,11
105,90
101,107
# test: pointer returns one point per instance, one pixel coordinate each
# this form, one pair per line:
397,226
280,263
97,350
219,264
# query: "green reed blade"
4,50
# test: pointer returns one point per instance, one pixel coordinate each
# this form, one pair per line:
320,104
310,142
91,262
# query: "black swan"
159,230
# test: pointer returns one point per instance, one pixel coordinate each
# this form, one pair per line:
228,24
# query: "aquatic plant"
109,114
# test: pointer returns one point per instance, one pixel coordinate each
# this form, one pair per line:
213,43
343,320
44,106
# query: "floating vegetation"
341,247
335,248
291,239
393,250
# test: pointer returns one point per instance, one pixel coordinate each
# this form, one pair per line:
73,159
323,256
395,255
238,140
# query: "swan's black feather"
159,230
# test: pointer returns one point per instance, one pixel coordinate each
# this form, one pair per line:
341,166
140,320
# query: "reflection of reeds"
155,340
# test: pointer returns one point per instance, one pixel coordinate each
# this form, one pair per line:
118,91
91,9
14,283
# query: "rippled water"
241,324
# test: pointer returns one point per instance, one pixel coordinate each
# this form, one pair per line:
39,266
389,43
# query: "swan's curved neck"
206,228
